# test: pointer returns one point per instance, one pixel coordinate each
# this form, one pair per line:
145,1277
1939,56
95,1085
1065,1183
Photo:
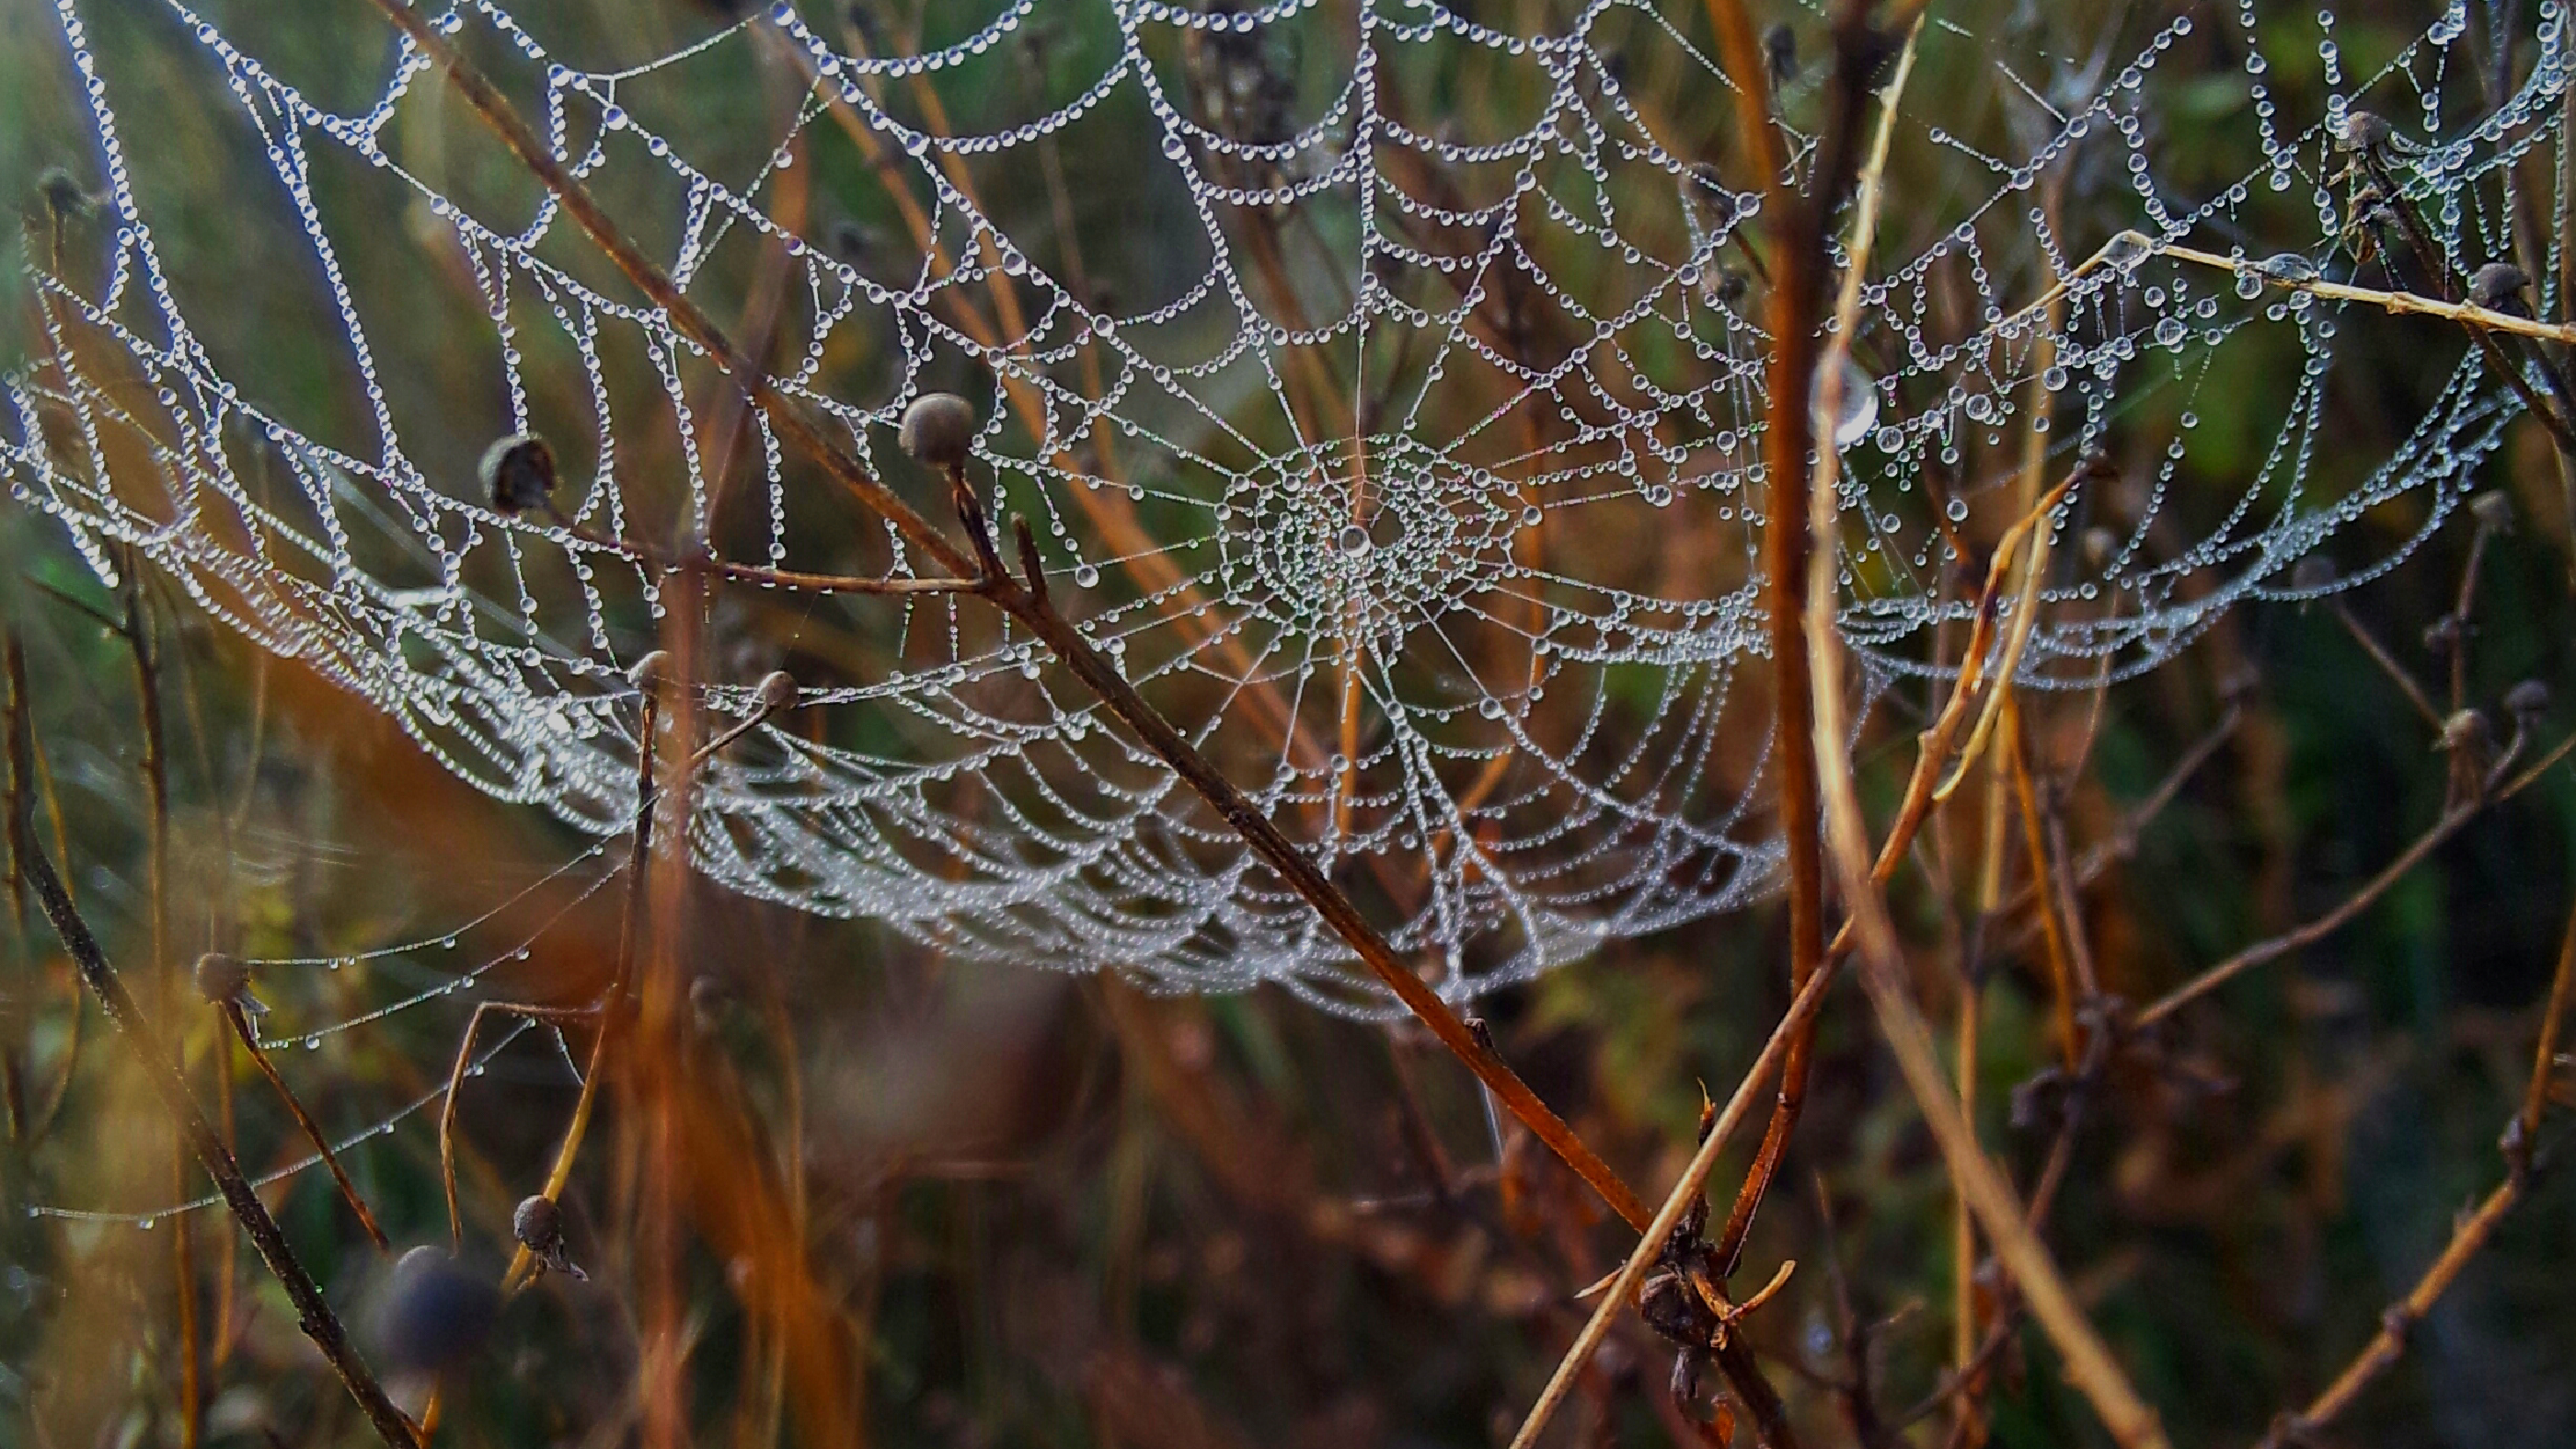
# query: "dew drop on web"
1855,411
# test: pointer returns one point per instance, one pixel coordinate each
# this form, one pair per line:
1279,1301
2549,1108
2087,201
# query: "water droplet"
1855,411
1086,577
1354,540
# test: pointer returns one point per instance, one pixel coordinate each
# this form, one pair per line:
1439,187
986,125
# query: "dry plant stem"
2371,890
456,1086
612,1004
1658,1233
2467,1239
240,1023
800,431
313,1311
2089,1363
1795,297
2053,927
2535,1098
2482,323
2387,662
136,627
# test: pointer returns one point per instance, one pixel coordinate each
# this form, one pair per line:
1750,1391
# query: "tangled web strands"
1384,390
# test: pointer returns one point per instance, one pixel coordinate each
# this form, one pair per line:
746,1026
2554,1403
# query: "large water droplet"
1855,411
1354,541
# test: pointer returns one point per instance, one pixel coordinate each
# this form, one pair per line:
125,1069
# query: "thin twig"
240,1023
2353,905
612,1002
2467,1239
313,1311
1658,1233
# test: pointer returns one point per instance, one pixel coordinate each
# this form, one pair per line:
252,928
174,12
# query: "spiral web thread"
1411,470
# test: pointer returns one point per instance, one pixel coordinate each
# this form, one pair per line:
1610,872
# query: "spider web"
1399,432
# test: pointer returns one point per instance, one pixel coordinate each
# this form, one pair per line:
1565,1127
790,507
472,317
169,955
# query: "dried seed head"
537,1224
221,978
2363,131
2498,287
2464,730
64,195
2314,571
2527,701
2442,635
518,473
434,1315
776,691
938,429
1780,49
2493,511
651,672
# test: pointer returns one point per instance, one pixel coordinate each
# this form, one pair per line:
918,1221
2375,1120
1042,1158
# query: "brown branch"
2467,1239
1658,1234
313,1311
799,430
240,1024
2263,952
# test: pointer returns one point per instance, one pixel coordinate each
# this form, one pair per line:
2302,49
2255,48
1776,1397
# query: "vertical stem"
156,785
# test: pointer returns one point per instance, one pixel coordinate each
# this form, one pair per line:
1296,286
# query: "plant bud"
2363,131
538,1225
221,978
651,672
938,429
776,691
2493,511
518,473
2498,287
2528,700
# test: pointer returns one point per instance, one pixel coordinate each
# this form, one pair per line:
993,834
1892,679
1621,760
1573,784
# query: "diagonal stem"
799,430
313,1311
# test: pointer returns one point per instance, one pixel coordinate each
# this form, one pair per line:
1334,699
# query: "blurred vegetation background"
913,1202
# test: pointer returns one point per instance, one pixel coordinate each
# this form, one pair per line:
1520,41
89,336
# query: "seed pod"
518,473
937,430
433,1315
776,691
2527,701
538,1225
64,196
1780,50
2499,287
221,978
2464,730
2363,131
2493,511
651,672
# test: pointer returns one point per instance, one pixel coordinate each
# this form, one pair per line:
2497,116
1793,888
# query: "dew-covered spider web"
1382,383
